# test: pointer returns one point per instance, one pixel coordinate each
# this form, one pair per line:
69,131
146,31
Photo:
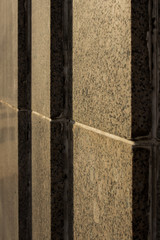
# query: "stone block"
8,172
49,173
9,51
41,56
111,80
41,178
48,86
110,188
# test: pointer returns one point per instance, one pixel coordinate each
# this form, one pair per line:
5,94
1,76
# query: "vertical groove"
155,132
24,119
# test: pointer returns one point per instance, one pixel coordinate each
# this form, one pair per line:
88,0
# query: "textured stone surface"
111,86
110,182
41,179
48,178
8,173
41,56
9,51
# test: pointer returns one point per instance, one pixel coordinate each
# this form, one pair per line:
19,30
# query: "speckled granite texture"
110,191
111,81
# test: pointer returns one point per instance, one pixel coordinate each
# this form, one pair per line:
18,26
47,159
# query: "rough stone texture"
41,179
41,56
9,51
102,65
8,173
111,85
110,182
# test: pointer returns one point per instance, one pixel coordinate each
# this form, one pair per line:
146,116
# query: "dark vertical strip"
141,103
24,177
140,76
24,54
57,180
57,79
61,114
57,95
24,119
140,186
157,177
70,126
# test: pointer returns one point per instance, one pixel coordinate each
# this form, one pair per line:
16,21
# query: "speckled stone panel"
41,179
9,51
110,182
41,56
111,85
8,173
102,65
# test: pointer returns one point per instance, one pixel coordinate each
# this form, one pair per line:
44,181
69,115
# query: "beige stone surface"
41,56
41,179
110,194
102,65
8,173
111,80
9,51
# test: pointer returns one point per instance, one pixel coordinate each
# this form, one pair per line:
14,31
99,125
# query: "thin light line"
9,105
105,133
42,116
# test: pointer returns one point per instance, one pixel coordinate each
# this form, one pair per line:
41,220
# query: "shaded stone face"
9,51
8,173
41,178
41,56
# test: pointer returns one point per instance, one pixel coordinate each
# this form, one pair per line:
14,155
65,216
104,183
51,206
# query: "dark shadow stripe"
24,119
61,112
24,54
140,197
141,104
141,81
57,84
24,175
